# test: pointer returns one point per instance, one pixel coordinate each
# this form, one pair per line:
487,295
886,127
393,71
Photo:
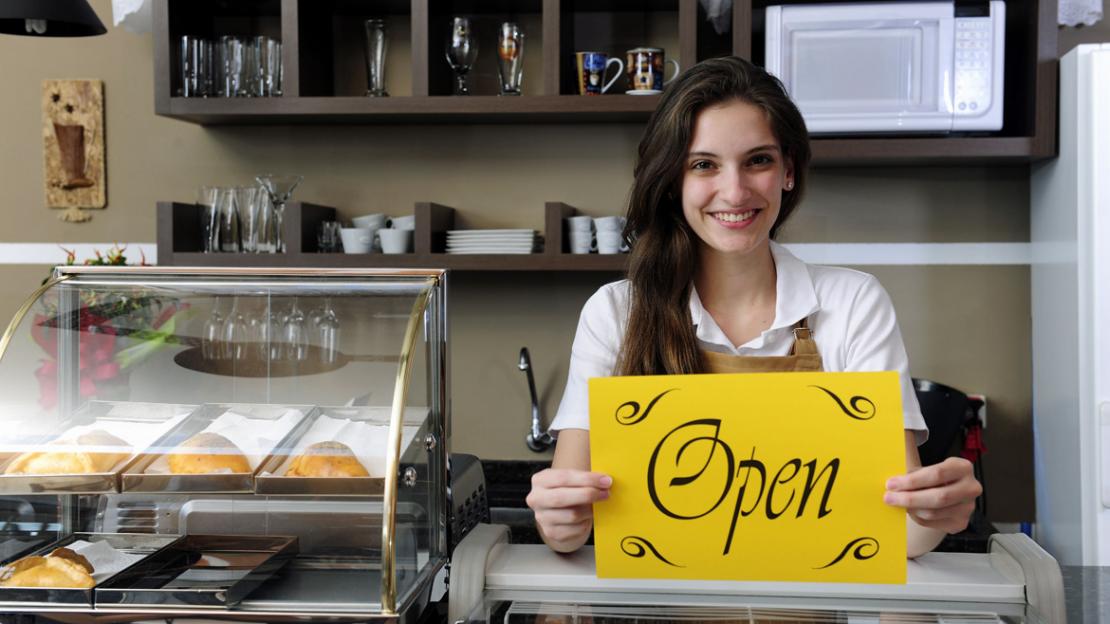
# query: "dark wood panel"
493,262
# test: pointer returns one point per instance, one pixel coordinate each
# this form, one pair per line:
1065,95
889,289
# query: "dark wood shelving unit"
316,47
179,244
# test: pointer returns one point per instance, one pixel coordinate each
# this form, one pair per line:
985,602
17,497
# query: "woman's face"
733,179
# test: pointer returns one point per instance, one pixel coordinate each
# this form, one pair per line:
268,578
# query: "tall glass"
247,205
209,218
510,58
228,206
280,188
462,51
376,44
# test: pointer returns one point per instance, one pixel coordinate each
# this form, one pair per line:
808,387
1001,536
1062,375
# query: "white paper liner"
104,559
256,430
367,440
139,435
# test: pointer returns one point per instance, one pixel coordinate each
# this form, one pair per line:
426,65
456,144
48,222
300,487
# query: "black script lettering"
739,510
714,441
811,481
796,464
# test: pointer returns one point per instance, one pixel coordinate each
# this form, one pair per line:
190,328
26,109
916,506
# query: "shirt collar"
795,299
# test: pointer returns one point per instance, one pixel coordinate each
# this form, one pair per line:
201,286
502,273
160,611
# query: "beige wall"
966,326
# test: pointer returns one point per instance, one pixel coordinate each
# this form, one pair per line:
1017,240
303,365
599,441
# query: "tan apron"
803,357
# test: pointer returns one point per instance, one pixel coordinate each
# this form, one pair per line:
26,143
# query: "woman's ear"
788,179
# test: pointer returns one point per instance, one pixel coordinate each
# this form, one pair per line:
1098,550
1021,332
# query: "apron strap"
804,344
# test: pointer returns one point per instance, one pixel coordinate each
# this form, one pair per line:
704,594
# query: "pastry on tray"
326,459
62,568
208,453
109,452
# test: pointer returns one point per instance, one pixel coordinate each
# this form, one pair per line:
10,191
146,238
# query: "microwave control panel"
973,60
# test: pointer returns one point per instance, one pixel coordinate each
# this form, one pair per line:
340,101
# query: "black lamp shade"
64,18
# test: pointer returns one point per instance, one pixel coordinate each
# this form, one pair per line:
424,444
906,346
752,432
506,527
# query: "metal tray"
206,571
131,543
134,477
93,412
270,477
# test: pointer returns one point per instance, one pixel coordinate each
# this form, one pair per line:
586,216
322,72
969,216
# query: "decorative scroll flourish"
855,411
634,416
634,546
859,552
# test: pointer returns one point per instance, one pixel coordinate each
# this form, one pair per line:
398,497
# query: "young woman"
722,164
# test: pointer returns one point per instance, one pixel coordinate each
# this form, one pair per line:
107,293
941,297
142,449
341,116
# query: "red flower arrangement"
103,321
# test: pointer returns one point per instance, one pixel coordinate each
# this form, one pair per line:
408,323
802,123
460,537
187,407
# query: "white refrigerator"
1070,233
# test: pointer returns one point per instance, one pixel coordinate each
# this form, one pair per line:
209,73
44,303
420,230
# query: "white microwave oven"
890,66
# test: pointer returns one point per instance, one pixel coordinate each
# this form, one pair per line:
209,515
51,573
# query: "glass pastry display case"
243,444
1017,582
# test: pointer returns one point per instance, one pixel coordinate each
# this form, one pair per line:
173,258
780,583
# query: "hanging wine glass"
327,333
211,347
462,50
296,334
280,189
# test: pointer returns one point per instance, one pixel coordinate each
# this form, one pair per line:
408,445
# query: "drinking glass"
210,345
327,238
276,322
327,333
280,188
251,86
296,334
234,333
189,52
269,66
462,51
264,210
209,218
510,58
228,208
230,66
247,205
376,44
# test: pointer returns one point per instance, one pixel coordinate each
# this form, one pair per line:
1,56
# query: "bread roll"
215,453
73,461
327,459
48,571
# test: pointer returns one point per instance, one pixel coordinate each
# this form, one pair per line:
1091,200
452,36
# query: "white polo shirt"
850,315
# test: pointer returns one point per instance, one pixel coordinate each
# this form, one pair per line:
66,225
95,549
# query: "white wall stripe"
858,254
52,253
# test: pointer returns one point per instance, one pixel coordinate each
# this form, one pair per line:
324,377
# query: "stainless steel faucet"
538,441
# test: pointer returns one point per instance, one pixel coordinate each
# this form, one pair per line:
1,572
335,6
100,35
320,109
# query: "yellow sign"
757,476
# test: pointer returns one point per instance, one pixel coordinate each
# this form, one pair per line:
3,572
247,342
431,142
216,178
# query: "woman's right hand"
563,499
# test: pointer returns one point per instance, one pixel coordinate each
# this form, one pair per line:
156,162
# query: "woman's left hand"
941,496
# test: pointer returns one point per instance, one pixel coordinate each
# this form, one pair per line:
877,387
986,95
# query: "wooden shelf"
430,109
179,244
319,69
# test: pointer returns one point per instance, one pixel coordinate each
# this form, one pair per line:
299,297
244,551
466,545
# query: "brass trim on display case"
24,309
250,271
393,453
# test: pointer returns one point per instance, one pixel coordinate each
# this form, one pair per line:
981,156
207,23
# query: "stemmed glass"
234,333
211,347
462,50
326,324
296,334
280,189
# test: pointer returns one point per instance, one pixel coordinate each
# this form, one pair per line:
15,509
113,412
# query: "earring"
790,185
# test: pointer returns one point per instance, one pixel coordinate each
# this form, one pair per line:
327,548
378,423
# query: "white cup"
371,221
404,223
609,224
581,242
579,223
356,240
610,242
395,240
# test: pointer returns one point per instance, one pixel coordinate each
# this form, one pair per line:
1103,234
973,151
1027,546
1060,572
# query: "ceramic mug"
645,70
373,221
610,242
356,240
592,67
407,222
395,240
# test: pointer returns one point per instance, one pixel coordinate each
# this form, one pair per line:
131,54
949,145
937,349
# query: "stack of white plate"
491,241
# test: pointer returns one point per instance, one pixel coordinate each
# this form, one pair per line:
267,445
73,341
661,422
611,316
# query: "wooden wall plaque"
73,146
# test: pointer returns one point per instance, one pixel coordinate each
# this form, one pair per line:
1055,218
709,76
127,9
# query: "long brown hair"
659,337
